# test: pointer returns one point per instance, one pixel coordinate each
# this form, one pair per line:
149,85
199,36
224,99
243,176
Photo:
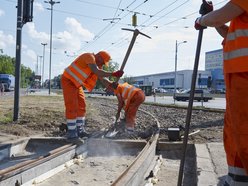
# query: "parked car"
8,80
218,91
200,95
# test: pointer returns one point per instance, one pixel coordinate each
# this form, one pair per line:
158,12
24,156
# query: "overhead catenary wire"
168,23
128,11
165,14
112,23
109,26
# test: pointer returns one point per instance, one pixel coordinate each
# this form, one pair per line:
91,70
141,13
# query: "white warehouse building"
212,77
166,80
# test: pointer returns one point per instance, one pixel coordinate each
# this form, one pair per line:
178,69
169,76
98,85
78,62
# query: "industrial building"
212,77
214,64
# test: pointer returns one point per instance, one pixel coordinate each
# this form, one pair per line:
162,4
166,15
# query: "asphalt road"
219,103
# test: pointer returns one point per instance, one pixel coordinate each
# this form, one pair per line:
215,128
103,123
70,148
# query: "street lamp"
175,77
51,2
40,64
44,46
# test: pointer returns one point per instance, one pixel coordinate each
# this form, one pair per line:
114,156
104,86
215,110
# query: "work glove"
118,73
206,7
197,24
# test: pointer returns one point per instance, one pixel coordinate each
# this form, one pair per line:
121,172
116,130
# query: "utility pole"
37,65
44,46
18,58
24,15
40,64
51,2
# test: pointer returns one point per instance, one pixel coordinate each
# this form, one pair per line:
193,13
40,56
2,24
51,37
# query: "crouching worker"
129,99
84,71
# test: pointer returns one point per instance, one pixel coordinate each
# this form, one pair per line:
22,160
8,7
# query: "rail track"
32,161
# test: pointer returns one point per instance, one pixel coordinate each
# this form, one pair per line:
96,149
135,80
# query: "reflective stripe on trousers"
80,121
71,124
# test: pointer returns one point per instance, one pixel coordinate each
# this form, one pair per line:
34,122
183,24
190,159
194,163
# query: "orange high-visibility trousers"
137,99
236,123
74,99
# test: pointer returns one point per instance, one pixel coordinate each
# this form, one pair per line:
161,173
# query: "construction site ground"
43,116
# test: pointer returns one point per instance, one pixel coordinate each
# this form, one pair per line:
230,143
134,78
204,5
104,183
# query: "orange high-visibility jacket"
126,91
236,43
80,73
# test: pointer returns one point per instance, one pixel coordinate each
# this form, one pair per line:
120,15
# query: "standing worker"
235,48
129,99
85,70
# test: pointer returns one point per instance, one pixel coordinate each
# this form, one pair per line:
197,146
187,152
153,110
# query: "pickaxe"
136,32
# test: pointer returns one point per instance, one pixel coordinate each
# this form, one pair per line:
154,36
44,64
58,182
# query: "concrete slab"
211,164
218,157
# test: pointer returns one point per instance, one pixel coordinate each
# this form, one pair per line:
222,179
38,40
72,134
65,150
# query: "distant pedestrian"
2,88
235,48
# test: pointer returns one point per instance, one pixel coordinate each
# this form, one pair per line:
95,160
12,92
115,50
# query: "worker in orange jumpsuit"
84,71
129,99
235,56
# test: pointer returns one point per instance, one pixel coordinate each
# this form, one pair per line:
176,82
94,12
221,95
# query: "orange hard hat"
105,56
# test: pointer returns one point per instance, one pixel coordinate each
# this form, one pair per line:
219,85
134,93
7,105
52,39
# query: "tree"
129,80
7,66
27,76
112,66
56,82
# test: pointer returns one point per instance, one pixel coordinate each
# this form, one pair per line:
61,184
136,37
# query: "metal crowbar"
190,106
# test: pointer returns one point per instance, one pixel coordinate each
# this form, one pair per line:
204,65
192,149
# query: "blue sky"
86,26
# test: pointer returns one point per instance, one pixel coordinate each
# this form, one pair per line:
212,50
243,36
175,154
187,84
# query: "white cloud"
72,38
2,12
77,30
31,54
6,40
33,33
38,6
